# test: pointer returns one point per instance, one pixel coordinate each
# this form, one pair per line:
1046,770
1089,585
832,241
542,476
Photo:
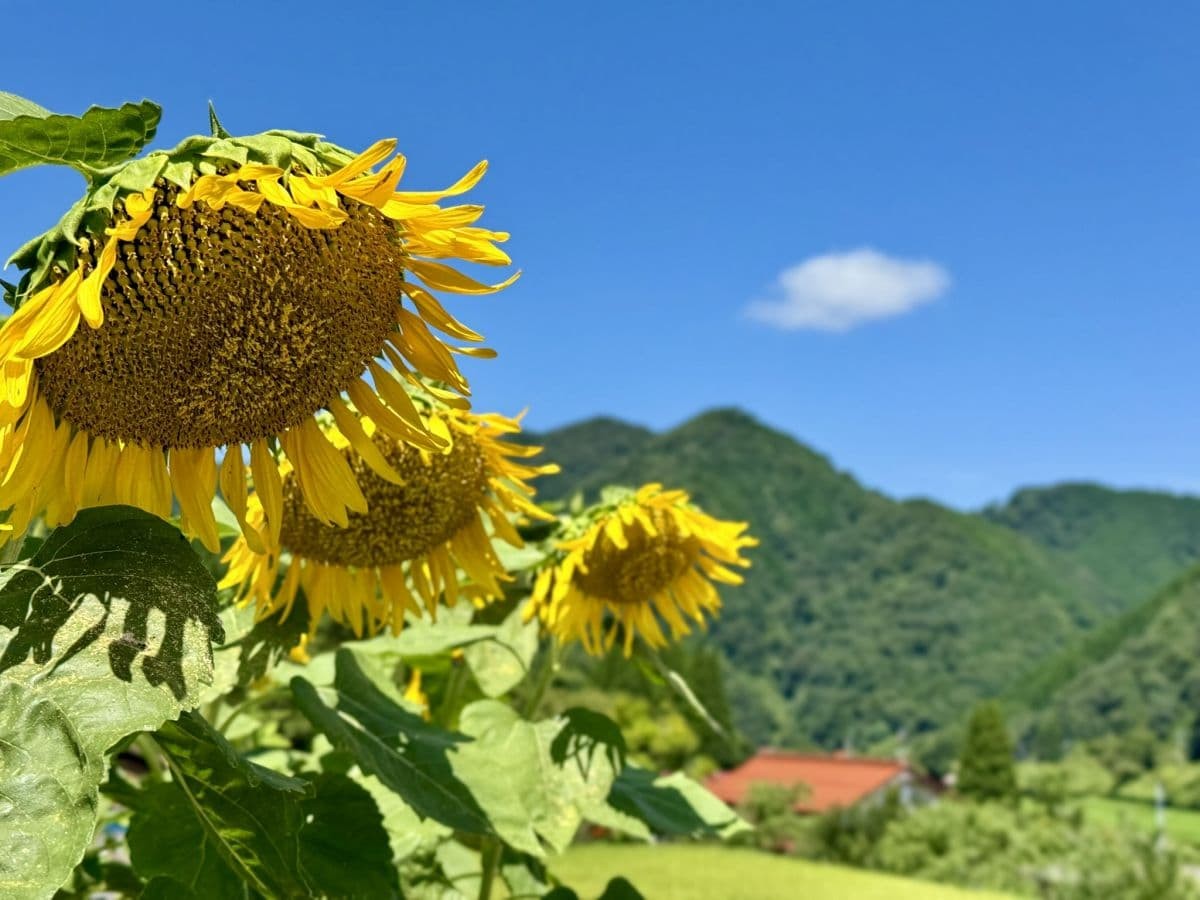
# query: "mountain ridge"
866,617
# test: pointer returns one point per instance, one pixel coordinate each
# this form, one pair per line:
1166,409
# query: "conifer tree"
985,768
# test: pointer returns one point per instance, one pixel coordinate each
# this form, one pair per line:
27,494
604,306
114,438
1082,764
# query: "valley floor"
694,872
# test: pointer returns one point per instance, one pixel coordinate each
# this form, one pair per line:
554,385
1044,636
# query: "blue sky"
1025,175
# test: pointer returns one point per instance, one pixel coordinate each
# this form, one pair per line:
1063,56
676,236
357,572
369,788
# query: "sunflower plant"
278,610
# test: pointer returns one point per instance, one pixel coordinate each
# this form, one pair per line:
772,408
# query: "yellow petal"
461,186
376,153
443,278
354,432
49,324
194,478
389,422
269,487
326,480
233,489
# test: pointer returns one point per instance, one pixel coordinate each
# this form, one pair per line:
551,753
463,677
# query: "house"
833,780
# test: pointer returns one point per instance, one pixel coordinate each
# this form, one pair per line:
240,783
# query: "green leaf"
408,755
620,889
422,640
165,888
408,833
586,732
501,776
116,583
12,106
243,818
668,804
167,841
48,782
524,875
101,137
269,641
500,664
532,784
462,870
344,848
71,618
224,821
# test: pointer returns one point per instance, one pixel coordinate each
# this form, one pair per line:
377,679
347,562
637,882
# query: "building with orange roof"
832,780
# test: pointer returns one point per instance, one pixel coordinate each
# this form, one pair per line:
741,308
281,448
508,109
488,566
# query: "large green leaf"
408,755
528,783
101,137
617,889
105,632
48,782
642,804
120,585
408,834
533,785
344,848
12,106
224,822
500,664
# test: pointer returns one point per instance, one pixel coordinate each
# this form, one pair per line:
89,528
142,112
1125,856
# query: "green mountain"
1147,674
1132,542
583,450
864,617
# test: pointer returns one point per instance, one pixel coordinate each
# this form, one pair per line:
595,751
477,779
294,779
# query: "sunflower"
425,522
232,289
643,559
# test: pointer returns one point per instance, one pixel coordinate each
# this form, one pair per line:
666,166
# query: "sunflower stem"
149,750
490,852
447,711
549,668
684,690
242,707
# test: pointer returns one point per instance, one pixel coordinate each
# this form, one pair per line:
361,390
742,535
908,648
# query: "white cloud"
839,291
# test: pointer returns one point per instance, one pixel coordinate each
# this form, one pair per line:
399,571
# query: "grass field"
691,872
1183,825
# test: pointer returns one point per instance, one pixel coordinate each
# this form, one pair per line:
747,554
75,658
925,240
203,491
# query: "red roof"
832,780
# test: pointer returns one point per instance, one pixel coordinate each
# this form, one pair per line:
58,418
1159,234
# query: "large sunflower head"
229,290
426,533
637,562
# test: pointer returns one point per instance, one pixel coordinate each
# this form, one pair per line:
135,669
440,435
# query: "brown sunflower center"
643,569
440,495
224,326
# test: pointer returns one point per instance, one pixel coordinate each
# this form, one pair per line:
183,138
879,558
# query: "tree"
985,768
771,809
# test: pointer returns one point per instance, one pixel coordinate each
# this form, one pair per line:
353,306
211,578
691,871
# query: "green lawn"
1183,825
691,872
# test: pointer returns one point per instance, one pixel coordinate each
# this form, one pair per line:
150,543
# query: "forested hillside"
865,617
1131,542
1146,675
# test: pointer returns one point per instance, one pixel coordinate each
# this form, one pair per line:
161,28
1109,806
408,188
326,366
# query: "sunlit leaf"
398,747
668,805
501,663
105,632
101,137
538,786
